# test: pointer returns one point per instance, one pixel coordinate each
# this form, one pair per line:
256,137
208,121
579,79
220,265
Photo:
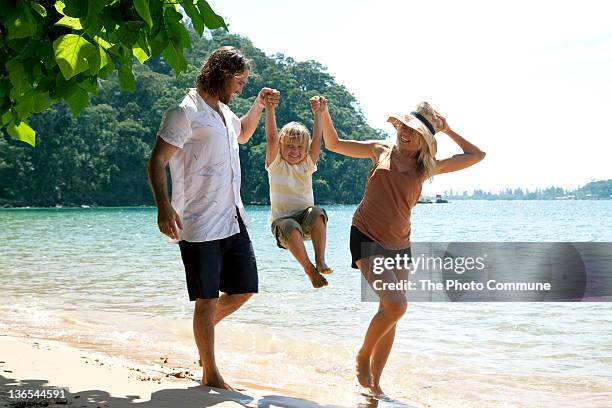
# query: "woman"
381,223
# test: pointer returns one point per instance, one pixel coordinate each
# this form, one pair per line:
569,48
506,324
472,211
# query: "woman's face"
293,151
408,139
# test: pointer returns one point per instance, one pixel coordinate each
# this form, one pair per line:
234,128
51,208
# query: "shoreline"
269,375
98,380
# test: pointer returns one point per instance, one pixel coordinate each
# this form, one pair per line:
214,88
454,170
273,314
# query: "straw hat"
422,120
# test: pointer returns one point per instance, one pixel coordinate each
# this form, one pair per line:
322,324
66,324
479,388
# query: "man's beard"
225,97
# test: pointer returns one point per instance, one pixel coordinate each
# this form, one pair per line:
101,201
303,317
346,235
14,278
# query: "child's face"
293,151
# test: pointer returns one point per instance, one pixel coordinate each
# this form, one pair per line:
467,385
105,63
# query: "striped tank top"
290,186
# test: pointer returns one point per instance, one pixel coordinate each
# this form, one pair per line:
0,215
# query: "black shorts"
227,265
363,246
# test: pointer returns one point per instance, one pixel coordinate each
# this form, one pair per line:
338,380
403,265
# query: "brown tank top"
384,212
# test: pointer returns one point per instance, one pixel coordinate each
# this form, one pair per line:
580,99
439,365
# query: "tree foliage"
56,50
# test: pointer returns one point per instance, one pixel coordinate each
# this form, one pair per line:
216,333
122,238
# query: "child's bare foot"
317,280
322,268
362,369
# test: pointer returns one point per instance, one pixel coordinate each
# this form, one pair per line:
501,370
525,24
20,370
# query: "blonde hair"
426,161
294,131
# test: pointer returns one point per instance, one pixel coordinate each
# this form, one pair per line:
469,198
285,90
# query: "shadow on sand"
192,397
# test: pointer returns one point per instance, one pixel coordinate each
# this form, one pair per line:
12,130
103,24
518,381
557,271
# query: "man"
199,138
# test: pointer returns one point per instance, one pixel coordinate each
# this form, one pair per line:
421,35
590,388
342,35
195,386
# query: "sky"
528,82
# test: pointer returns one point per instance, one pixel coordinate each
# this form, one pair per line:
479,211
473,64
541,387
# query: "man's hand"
168,221
267,96
272,99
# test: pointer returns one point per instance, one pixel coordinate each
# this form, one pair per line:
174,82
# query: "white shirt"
206,170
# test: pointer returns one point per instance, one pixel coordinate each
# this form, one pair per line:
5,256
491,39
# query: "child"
291,158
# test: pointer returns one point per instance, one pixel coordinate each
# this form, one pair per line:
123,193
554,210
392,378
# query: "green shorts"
302,220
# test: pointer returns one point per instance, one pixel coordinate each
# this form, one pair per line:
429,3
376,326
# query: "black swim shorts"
362,246
227,265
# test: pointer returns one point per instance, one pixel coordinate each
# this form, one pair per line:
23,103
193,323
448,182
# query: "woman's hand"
445,127
323,103
315,105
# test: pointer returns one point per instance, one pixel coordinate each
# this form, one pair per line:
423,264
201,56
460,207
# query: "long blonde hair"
426,161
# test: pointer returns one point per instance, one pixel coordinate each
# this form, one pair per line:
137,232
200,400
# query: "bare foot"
315,277
323,268
216,381
377,392
362,369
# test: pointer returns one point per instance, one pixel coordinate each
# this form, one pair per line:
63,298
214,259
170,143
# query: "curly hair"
221,65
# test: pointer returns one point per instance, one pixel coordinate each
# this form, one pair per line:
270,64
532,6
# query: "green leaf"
63,89
39,9
140,54
74,54
211,19
70,22
103,57
175,29
126,78
94,60
142,8
126,36
92,21
20,27
77,101
102,42
22,132
107,65
18,78
134,25
173,55
25,106
5,87
194,15
59,6
6,118
41,102
75,8
47,55
90,84
159,42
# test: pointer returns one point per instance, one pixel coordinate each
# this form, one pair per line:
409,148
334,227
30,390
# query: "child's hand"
316,105
272,99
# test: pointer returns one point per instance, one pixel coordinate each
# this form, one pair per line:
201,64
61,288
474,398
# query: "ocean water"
106,279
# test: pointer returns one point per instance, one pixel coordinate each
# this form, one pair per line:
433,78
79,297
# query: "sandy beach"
95,380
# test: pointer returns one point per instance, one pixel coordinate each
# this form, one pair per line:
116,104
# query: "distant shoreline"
4,206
